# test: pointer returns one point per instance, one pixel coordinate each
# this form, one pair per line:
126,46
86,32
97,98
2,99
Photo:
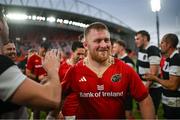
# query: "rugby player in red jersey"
101,82
34,67
78,53
70,103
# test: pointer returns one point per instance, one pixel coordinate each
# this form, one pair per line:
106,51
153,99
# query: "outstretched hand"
149,77
51,61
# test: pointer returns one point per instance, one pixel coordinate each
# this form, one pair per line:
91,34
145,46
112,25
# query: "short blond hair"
95,25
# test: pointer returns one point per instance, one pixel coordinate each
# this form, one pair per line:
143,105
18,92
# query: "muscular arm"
46,96
172,84
147,108
154,70
39,96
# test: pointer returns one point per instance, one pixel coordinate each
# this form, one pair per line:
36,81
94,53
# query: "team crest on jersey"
116,78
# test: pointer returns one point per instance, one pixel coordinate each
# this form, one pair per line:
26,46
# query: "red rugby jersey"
64,67
103,97
34,64
71,102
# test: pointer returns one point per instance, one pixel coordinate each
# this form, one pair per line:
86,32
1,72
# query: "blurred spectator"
18,89
9,50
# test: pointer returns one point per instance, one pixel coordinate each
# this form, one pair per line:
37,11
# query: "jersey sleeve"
137,88
154,55
67,81
10,80
174,65
62,71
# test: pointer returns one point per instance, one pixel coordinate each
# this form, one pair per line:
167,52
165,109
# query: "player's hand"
148,84
51,61
149,77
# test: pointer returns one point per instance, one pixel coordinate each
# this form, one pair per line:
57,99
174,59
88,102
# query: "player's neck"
96,64
98,68
145,44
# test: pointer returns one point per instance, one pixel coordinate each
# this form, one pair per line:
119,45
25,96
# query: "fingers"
51,59
54,53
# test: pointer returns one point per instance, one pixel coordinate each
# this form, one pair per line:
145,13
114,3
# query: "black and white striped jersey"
146,57
171,67
150,55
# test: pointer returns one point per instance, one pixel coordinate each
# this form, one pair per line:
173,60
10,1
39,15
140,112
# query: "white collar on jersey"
121,57
176,51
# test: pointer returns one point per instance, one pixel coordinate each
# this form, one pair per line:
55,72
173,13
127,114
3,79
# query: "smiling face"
98,44
79,54
10,51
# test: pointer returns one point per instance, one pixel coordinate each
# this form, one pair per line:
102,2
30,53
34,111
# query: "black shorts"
156,94
171,112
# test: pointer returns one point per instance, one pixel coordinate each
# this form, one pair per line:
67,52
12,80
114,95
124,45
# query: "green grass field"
138,115
135,112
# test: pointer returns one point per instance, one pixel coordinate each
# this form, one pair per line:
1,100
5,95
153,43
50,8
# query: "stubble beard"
100,56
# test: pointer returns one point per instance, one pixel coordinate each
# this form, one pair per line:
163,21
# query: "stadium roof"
71,10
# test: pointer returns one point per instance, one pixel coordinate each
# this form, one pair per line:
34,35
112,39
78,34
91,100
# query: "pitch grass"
136,113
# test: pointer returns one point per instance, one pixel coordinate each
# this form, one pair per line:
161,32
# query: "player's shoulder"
175,58
78,66
153,48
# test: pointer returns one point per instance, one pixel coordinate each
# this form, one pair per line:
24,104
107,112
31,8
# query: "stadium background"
60,22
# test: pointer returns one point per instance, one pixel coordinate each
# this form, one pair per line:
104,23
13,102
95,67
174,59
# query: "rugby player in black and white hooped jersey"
149,62
171,77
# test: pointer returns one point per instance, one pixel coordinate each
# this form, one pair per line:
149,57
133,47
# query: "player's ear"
85,44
